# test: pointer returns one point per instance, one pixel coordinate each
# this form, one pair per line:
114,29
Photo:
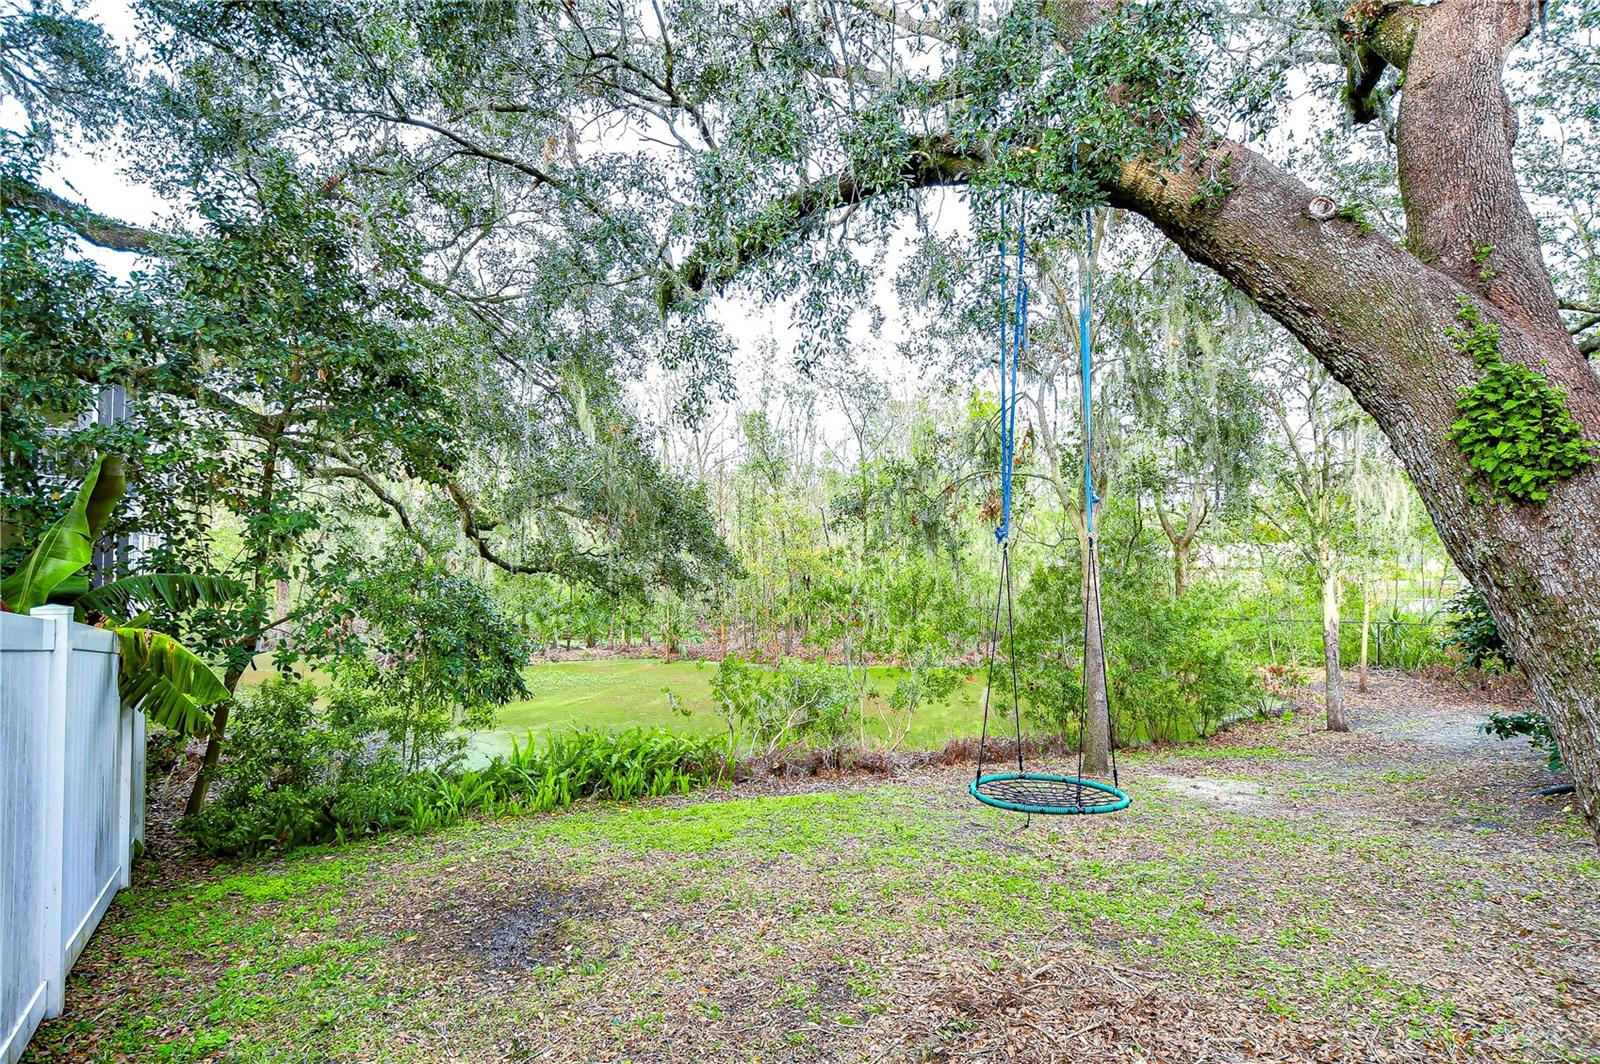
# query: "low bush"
538,777
1174,671
292,774
1472,633
797,701
296,773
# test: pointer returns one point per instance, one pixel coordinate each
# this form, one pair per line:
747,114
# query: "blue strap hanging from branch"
1086,351
1013,340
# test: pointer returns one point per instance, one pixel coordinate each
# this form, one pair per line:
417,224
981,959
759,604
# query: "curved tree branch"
98,229
375,486
932,161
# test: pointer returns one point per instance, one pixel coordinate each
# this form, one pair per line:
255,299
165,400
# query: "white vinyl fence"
71,806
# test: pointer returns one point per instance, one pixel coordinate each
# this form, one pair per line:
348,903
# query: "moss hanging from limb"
1513,424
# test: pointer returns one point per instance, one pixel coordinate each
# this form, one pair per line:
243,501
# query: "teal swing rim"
1122,798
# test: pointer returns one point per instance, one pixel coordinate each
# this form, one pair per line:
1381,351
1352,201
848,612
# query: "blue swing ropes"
1042,793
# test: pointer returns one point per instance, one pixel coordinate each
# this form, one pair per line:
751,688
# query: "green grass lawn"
617,694
621,693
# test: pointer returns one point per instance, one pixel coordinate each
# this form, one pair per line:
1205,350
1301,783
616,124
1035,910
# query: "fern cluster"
1513,424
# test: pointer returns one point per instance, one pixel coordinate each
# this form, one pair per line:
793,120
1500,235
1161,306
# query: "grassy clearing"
616,694
849,923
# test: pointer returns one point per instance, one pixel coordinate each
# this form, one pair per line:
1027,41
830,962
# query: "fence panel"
25,945
71,806
96,839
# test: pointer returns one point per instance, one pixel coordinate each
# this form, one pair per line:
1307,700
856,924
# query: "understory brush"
798,701
1173,669
297,773
1529,724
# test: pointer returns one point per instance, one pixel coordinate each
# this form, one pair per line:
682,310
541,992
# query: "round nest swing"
1041,793
1046,794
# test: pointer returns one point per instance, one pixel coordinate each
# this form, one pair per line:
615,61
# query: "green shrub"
797,701
1172,664
434,655
296,775
621,766
1400,640
1472,633
291,776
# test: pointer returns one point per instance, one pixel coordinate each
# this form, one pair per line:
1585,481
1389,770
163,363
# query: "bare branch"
372,484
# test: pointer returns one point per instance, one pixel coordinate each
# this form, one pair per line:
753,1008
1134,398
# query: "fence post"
52,851
125,769
136,816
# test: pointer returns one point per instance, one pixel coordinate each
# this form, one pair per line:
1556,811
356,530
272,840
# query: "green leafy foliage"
1513,424
55,566
291,776
1172,662
158,675
1472,633
1529,724
172,593
300,772
796,701
432,653
165,681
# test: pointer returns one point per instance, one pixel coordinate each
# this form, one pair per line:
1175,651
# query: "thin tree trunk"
1097,722
1333,682
1366,628
219,716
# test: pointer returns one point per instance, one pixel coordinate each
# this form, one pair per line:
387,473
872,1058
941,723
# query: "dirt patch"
505,928
531,934
1230,794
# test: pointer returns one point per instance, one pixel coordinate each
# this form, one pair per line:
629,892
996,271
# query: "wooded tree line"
1227,459
400,227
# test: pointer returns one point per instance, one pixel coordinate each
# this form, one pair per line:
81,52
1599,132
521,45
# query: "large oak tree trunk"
1378,317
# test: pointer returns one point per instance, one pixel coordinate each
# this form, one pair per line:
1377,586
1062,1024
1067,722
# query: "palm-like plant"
159,676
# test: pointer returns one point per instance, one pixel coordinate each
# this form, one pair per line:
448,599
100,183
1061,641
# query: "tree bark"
1378,317
1366,629
219,717
1096,738
1183,542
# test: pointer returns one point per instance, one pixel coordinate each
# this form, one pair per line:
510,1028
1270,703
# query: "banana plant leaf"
167,593
67,546
167,682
